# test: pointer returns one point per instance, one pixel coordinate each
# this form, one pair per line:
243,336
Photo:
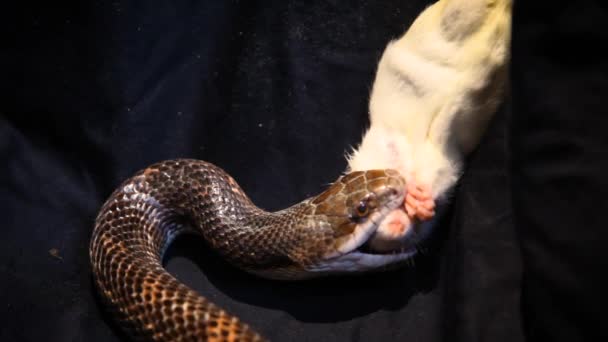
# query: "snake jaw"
358,262
350,256
363,231
358,238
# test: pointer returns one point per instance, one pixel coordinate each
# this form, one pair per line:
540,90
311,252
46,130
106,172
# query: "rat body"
436,89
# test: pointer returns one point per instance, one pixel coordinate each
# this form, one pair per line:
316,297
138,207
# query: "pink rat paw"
419,203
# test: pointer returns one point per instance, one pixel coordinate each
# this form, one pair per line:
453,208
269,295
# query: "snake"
327,234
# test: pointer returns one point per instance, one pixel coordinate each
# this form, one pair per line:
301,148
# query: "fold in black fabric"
560,168
276,92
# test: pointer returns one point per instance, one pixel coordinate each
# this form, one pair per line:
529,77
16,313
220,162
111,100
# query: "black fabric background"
275,92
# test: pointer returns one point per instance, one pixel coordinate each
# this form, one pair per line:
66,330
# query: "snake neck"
188,196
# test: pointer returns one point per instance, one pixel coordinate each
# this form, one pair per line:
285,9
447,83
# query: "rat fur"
435,91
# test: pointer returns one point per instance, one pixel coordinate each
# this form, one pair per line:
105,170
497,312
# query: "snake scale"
321,235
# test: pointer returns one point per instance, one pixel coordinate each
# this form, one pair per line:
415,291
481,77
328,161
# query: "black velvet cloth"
560,167
275,92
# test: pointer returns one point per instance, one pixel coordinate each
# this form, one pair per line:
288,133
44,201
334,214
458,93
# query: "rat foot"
418,202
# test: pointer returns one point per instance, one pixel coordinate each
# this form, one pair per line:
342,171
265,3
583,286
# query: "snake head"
352,209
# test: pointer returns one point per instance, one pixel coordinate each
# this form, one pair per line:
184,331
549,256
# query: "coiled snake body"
321,235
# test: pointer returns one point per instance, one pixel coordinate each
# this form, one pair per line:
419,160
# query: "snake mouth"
394,235
403,247
365,246
356,255
407,248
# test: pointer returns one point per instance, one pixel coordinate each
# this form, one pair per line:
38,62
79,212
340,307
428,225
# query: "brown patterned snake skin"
321,235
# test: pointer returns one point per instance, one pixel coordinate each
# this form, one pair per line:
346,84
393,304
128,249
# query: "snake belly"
318,236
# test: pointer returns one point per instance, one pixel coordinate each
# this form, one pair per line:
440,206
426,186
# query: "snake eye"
362,209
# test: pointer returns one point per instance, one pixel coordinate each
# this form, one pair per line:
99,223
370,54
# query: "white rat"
435,91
